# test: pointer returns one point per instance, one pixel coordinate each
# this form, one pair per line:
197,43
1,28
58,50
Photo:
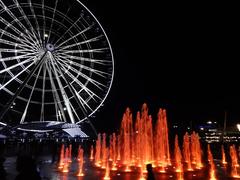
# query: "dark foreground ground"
48,171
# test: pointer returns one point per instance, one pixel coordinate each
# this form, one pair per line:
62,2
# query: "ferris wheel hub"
50,47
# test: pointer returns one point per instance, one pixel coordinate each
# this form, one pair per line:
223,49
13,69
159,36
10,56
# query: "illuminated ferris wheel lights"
52,63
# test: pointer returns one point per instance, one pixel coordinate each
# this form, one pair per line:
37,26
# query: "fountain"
91,153
140,142
80,161
61,160
235,165
133,147
224,162
212,171
98,151
178,159
187,152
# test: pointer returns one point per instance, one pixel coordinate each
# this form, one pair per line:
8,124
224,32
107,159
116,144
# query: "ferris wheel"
56,62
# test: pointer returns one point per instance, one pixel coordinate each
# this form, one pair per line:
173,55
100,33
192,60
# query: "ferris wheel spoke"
83,87
72,37
15,50
43,92
24,40
82,42
35,19
92,60
14,77
17,57
63,93
14,44
68,30
28,22
82,101
63,19
74,111
30,96
98,72
99,50
74,91
15,65
94,82
56,97
44,21
15,38
53,17
17,20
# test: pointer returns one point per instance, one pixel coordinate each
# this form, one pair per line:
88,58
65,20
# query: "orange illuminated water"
65,165
80,161
162,154
212,170
91,153
196,150
187,152
178,156
98,151
61,160
107,172
139,143
143,140
223,156
234,159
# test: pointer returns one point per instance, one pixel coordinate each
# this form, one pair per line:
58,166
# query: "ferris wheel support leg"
76,98
9,103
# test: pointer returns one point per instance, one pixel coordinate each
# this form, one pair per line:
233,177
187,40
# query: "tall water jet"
61,160
70,154
91,153
107,172
178,159
118,147
80,162
235,165
125,133
110,148
196,150
114,153
65,166
138,153
161,141
178,156
142,177
224,162
186,151
98,151
212,170
103,149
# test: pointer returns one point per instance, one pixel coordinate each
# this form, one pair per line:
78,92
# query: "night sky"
182,57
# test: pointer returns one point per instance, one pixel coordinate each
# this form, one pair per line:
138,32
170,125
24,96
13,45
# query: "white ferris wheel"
56,62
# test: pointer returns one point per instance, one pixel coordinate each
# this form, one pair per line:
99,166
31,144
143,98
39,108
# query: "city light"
238,127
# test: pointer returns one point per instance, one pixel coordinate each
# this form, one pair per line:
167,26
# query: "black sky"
183,57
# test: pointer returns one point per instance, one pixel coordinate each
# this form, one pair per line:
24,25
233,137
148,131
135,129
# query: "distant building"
211,132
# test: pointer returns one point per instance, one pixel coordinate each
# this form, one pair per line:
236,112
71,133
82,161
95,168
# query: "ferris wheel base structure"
73,130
